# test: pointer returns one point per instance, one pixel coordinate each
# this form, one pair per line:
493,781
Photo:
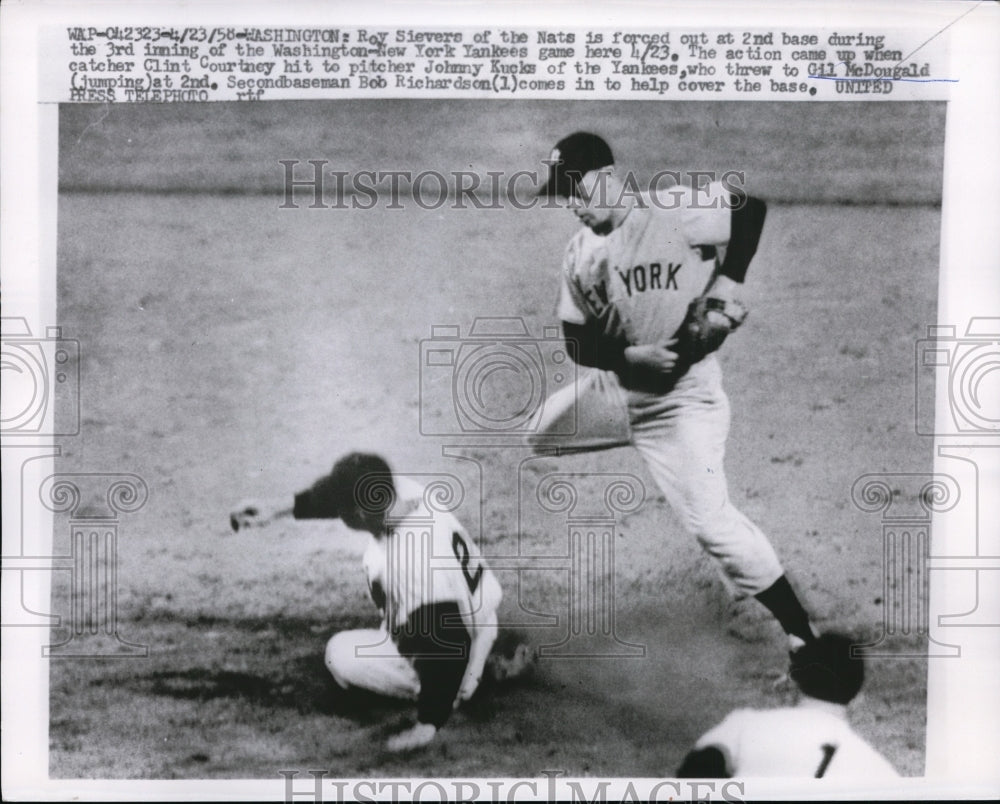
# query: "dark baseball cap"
825,669
573,156
356,480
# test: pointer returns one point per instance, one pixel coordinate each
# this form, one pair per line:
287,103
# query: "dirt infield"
233,349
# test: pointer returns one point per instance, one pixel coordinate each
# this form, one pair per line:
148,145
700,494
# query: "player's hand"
416,737
467,690
248,514
653,356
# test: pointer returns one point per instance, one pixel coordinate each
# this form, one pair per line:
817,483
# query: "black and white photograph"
602,444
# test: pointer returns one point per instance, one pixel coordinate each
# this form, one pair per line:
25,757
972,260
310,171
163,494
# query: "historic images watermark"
85,566
905,503
492,381
551,787
312,184
956,400
968,366
37,373
41,402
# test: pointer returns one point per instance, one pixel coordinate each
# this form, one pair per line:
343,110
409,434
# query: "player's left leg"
682,437
367,658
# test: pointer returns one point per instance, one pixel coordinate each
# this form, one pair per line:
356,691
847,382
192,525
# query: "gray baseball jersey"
638,280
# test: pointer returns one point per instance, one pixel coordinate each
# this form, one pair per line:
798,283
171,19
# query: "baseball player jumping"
649,292
436,596
812,738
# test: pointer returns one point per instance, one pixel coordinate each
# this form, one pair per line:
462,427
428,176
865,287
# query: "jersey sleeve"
706,214
571,307
373,563
726,738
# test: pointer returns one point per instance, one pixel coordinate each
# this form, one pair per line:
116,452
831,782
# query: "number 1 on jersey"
828,752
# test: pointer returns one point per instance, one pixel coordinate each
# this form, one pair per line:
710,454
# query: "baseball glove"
708,322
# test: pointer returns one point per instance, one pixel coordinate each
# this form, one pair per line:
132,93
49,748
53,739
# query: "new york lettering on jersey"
638,280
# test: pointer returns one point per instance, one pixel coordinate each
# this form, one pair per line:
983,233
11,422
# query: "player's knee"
701,526
711,523
339,657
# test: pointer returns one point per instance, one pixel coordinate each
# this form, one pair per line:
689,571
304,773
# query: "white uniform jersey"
428,558
805,740
637,281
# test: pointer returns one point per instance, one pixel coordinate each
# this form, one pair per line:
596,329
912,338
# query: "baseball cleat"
411,739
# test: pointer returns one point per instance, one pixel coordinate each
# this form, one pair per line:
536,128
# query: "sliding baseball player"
436,597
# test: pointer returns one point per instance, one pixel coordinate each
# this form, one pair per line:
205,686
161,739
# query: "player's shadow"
322,694
291,674
305,687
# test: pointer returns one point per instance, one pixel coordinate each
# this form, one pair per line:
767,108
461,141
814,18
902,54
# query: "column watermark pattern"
905,502
93,503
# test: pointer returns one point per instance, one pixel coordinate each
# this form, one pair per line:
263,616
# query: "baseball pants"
425,662
681,435
367,658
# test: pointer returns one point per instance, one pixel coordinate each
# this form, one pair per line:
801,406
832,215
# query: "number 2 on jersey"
462,554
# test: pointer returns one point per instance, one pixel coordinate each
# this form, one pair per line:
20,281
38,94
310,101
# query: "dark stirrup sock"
781,600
